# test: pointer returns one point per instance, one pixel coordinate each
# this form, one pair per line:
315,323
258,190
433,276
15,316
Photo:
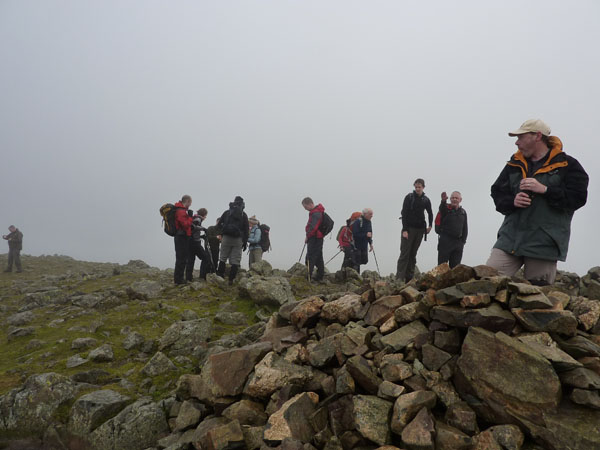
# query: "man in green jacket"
15,244
538,191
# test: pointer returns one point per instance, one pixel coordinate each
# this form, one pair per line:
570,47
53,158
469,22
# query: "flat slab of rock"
492,318
487,369
550,321
545,346
382,309
405,335
363,374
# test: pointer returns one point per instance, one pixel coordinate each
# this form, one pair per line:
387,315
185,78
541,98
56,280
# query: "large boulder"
181,337
273,291
136,427
93,409
144,289
238,363
29,410
503,379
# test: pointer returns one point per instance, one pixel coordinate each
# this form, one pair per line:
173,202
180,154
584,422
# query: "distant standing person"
453,230
197,244
538,191
346,242
183,235
213,244
15,244
414,228
362,233
314,239
254,237
234,237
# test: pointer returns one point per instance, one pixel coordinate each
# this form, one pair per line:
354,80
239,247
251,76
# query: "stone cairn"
460,359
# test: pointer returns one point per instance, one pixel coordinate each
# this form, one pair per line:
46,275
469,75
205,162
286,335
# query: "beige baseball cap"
532,126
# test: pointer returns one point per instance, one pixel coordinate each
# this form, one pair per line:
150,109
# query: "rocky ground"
109,356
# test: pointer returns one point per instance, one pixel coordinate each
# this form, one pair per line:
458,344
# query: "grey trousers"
405,269
537,271
231,249
255,255
14,256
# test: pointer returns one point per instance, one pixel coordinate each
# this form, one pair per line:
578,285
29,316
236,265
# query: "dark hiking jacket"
413,211
543,229
453,222
15,240
239,222
360,228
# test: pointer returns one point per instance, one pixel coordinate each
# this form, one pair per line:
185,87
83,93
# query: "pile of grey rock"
460,359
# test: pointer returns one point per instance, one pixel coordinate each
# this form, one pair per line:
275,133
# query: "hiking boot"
232,273
221,269
7,270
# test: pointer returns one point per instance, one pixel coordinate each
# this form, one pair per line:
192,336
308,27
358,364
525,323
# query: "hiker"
212,244
314,239
362,233
255,250
183,235
452,229
346,243
414,228
234,237
538,192
15,244
197,244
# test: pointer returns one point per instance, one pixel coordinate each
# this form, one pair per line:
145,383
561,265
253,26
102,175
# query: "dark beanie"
238,199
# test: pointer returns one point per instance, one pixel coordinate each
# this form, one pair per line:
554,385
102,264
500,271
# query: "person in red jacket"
183,236
314,238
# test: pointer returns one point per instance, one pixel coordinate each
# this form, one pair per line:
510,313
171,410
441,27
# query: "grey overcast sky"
108,109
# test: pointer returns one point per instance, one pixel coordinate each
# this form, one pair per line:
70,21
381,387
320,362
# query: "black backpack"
326,224
234,222
167,211
265,242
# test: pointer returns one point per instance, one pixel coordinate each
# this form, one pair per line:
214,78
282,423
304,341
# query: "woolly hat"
253,220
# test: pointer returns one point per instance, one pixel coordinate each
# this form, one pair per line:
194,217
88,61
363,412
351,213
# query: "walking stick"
302,252
376,263
333,257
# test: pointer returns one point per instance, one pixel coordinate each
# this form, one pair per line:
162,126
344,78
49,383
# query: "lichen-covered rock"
145,289
274,291
28,410
104,353
136,427
182,337
159,364
346,308
92,410
371,416
272,373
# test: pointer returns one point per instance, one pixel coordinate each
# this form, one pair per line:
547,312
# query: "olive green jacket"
543,229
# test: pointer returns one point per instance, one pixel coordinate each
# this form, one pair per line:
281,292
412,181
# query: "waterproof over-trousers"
408,254
182,249
314,257
450,250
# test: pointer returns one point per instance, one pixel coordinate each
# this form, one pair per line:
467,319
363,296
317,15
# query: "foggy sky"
111,108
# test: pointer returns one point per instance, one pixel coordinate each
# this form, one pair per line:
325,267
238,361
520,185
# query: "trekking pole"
376,263
302,252
333,257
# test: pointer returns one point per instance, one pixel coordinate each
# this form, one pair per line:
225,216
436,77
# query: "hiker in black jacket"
362,234
453,230
15,244
234,237
414,228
